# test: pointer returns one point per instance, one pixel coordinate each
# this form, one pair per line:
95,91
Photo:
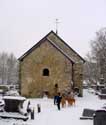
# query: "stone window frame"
45,72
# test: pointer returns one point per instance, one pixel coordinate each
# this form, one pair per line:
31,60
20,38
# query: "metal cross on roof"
57,22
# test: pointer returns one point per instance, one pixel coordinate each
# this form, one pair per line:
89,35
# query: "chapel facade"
49,64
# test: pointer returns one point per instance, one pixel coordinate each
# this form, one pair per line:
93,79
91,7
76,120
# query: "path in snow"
51,116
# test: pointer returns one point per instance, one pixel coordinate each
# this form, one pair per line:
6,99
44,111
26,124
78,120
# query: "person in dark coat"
55,93
55,99
58,100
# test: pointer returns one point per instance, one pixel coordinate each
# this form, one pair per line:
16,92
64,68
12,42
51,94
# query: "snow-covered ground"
66,116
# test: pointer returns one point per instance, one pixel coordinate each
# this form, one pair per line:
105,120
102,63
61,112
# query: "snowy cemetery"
44,112
89,109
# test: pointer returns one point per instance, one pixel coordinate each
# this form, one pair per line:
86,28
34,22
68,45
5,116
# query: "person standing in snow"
58,100
55,93
55,99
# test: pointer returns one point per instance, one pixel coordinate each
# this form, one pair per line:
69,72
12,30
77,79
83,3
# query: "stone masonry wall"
33,83
78,66
78,77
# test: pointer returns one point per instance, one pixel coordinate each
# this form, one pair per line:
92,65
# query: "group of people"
58,99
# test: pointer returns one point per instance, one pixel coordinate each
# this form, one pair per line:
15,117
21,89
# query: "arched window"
45,72
56,85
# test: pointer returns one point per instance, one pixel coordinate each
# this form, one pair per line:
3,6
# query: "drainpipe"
73,75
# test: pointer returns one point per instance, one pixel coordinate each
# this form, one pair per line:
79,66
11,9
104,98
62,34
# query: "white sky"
24,22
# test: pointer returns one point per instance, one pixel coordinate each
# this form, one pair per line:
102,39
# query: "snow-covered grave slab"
21,124
13,115
87,114
20,98
13,103
13,108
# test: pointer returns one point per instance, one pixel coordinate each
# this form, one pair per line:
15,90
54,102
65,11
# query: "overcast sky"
24,22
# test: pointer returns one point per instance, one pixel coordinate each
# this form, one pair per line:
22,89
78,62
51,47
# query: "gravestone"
103,91
39,108
100,117
102,94
87,114
13,108
12,103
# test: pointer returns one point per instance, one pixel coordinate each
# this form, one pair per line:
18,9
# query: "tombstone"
102,93
1,105
32,114
39,108
99,117
87,114
28,107
14,104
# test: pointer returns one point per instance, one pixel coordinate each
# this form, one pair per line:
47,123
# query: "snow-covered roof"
14,98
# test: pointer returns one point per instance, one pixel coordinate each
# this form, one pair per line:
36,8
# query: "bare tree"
98,47
8,69
12,69
91,70
3,67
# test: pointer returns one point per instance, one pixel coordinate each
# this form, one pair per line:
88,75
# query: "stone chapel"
49,64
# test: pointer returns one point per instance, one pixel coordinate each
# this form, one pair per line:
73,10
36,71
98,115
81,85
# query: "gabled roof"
61,51
65,47
33,47
56,45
